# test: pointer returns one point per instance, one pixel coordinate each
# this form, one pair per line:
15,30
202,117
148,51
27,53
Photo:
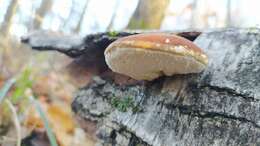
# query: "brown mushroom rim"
176,49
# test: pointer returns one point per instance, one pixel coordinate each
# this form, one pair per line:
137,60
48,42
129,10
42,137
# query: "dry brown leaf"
61,118
62,123
32,120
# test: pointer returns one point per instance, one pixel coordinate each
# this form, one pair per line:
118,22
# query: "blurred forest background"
35,91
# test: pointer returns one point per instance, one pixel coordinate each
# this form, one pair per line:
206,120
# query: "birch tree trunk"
220,106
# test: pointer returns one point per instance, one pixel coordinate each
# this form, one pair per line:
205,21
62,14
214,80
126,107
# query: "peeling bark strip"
221,106
73,46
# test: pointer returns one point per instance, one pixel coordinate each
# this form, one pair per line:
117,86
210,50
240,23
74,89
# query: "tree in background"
78,27
41,12
148,14
11,10
228,17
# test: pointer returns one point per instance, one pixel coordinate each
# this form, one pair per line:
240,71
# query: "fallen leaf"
57,114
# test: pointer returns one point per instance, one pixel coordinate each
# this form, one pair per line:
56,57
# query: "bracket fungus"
150,55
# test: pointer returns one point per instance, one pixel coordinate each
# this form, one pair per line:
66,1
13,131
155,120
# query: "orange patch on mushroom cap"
162,38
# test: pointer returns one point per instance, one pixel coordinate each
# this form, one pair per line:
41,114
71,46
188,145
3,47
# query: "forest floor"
35,110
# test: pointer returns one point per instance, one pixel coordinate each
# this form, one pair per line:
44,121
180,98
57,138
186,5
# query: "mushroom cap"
148,56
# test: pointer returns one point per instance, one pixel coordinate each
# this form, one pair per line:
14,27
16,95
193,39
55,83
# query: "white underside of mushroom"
144,64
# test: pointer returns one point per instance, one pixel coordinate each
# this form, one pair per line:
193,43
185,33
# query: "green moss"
113,33
125,104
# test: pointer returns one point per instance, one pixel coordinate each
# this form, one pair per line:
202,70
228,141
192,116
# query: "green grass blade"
50,134
6,88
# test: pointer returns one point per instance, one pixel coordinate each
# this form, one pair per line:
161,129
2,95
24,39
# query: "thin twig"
16,122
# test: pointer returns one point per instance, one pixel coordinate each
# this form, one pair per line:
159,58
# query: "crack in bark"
134,138
188,110
231,91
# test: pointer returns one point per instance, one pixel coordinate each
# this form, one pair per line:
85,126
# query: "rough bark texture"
220,106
